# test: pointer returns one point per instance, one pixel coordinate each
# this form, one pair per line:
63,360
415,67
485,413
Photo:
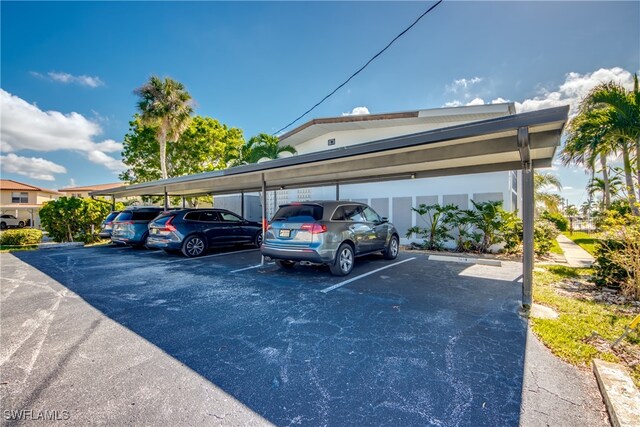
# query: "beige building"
24,201
85,190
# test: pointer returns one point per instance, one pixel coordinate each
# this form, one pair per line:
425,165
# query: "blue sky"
69,69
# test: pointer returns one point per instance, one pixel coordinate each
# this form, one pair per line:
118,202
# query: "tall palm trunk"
605,180
162,143
628,176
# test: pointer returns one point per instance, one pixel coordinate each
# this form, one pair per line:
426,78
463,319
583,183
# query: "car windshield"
299,213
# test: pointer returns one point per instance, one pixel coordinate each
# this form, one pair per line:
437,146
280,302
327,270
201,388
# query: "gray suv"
328,232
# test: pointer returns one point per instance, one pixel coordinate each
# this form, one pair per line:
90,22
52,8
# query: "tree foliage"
204,146
69,219
165,106
259,147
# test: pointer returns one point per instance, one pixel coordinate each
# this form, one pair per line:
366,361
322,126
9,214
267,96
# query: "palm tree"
621,108
165,105
540,182
589,138
267,146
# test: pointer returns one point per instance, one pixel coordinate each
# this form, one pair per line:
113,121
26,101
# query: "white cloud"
357,111
26,127
476,101
462,84
454,103
574,88
33,167
61,77
108,162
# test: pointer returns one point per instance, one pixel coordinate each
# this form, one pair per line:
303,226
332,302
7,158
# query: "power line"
364,66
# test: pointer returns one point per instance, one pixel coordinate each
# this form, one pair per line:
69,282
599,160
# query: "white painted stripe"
215,255
466,260
353,279
246,268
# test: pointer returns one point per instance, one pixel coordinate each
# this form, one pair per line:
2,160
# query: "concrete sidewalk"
575,255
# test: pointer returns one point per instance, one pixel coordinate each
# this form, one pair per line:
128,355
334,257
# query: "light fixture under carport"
514,142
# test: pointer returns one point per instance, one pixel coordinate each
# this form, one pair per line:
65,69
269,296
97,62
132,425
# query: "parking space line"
353,279
246,268
213,255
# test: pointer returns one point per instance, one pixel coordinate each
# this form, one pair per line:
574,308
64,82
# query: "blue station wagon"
193,231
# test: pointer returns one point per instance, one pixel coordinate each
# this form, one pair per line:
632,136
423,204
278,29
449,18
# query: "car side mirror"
384,219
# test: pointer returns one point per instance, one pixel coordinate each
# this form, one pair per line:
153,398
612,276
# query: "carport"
522,141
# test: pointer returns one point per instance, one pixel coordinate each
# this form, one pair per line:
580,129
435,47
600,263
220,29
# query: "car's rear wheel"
21,224
343,264
194,246
258,239
392,249
287,265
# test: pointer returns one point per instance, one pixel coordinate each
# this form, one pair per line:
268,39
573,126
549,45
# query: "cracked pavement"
127,337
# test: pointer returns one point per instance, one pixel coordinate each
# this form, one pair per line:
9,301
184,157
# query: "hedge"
22,237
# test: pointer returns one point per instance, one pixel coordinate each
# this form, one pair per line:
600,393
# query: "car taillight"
314,228
265,224
168,226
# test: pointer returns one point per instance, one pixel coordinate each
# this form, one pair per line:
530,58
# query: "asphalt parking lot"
126,336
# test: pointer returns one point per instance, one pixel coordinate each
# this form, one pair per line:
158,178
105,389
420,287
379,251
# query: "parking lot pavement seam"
353,279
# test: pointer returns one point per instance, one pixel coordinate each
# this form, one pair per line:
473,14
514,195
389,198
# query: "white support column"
337,191
528,204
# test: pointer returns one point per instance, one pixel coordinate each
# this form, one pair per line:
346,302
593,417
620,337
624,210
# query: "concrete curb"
466,260
620,394
69,245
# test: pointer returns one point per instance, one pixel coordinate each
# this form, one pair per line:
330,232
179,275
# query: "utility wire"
364,66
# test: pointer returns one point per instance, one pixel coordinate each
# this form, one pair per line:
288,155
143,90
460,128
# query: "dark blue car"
193,231
131,226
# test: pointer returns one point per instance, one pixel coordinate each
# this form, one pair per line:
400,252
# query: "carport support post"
242,203
264,212
527,219
184,202
113,202
337,191
166,199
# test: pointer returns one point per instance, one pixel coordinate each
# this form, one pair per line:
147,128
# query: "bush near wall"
69,219
23,237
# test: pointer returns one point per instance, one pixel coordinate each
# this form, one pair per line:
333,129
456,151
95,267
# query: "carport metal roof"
482,146
520,141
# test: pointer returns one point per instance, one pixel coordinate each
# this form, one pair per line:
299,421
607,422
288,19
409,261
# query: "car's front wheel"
343,264
3,225
21,224
392,249
194,246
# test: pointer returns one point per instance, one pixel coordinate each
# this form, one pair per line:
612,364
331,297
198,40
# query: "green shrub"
618,254
544,232
23,237
436,232
557,219
69,219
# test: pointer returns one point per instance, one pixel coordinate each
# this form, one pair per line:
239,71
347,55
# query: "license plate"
155,231
285,233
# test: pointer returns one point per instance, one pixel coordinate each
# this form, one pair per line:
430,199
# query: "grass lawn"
18,249
555,248
585,240
568,336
